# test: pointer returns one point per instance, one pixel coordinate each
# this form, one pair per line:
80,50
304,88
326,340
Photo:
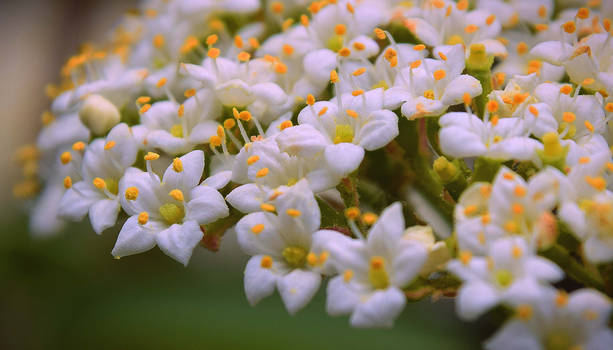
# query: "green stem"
572,267
485,169
349,191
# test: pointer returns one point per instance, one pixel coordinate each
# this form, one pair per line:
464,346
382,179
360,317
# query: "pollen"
519,191
511,226
158,41
442,56
288,49
439,4
379,33
534,111
220,131
262,172
257,229
471,28
266,262
465,257
322,111
267,207
542,11
344,52
522,48
312,259
369,218
357,92
143,99
189,93
517,208
131,193
350,8
285,124
280,68
569,27
485,219
109,145
508,176
351,113
467,99
470,210
352,213
415,64
144,108
152,156
67,182
609,107
561,298
486,190
419,47
66,157
304,20
177,165
181,111
524,312
143,217
462,5
340,29
439,74
177,194
253,159
588,81
347,275
293,212
211,39
359,46
161,82
568,117
213,52
229,123
238,41
276,7
589,126
362,70
596,182
541,27
333,77
490,19
99,183
254,43
583,13
492,106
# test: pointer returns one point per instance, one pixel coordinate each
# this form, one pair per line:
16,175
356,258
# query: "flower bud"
98,114
438,253
446,170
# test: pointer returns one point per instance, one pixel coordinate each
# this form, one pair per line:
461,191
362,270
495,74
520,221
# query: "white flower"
510,273
283,249
466,135
342,136
178,129
516,96
168,212
433,86
558,321
512,12
374,271
104,163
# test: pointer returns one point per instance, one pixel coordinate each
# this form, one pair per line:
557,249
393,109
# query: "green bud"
445,169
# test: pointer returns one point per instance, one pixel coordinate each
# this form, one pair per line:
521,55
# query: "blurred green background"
68,292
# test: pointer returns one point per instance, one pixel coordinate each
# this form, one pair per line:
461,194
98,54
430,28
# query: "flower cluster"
328,127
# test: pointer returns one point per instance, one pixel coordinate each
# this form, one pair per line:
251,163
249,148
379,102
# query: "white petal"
343,158
379,310
202,132
341,298
297,288
380,128
219,180
193,166
554,52
259,282
301,140
207,205
474,299
514,335
460,85
246,198
74,205
133,239
178,241
103,214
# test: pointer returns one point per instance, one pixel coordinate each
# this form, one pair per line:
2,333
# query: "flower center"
343,133
377,275
172,213
111,185
558,341
429,94
177,130
455,39
335,43
503,277
295,256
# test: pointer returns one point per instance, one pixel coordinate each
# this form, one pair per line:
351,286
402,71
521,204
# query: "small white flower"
558,321
374,271
168,212
510,273
513,12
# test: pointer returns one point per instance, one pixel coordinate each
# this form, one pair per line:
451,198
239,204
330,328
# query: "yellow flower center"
503,277
295,256
377,275
343,133
455,39
176,130
172,213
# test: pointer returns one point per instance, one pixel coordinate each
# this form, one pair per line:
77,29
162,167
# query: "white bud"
98,114
438,253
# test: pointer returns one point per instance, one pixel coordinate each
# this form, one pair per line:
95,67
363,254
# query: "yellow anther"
312,259
266,262
561,298
568,117
322,111
340,29
143,99
350,8
244,115
492,106
177,194
99,183
254,43
369,218
287,23
542,11
511,226
152,156
280,68
161,82
522,48
189,44
597,182
293,212
471,28
566,89
442,56
439,74
589,126
262,172
569,27
189,93
534,111
65,157
517,208
285,124
541,27
485,219
181,110
238,41
215,141
519,191
351,113
419,47
344,52
109,145
583,13
462,5
131,193
220,131
257,229
524,312
158,41
304,20
609,107
359,46
467,99
359,71
177,165
390,53
143,217
606,24
465,257
267,207
470,210
229,123
145,108
357,92
490,19
333,77
67,182
211,39
347,275
439,4
500,78
253,159
288,49
352,213
276,7
310,99
213,52
379,33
